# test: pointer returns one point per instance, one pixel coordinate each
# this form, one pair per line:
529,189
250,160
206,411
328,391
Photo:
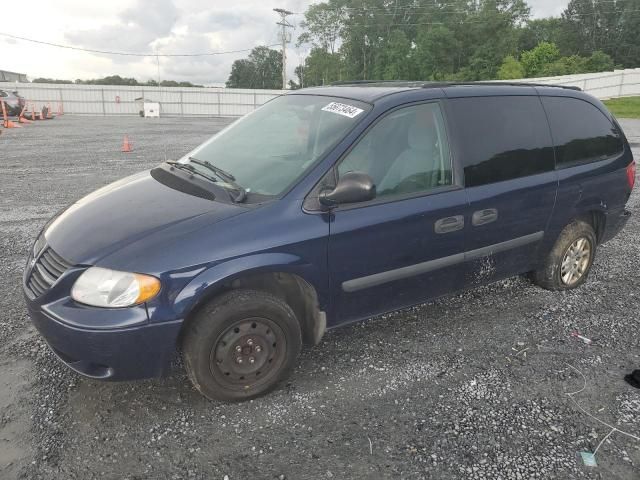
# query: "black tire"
264,329
550,276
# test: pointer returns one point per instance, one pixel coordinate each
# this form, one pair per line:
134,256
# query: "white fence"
227,102
122,100
603,85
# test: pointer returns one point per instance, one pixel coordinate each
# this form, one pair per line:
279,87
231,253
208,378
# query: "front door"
406,245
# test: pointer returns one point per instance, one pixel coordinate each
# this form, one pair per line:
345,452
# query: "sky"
164,26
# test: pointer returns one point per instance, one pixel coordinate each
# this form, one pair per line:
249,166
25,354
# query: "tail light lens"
631,174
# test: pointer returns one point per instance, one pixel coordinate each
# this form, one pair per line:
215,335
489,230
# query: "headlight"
101,287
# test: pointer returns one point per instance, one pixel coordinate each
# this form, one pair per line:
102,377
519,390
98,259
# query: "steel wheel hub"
247,352
575,261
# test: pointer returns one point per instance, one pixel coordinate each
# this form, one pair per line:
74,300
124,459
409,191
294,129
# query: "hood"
125,212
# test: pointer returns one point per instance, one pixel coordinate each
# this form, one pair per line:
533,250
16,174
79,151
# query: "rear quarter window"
502,138
581,132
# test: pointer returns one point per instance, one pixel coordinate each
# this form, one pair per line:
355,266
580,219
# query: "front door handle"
482,217
449,224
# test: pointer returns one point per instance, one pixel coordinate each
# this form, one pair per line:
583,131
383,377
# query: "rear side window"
502,138
581,132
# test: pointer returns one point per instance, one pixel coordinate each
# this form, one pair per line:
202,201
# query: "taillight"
631,174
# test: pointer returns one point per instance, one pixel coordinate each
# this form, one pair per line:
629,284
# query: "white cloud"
168,26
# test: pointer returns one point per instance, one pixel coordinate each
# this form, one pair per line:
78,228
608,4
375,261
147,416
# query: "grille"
45,271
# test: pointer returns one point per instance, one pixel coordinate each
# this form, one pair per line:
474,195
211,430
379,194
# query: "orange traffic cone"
21,118
49,115
126,146
60,109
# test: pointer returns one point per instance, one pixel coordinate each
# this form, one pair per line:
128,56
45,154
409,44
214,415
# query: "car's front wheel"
241,345
569,262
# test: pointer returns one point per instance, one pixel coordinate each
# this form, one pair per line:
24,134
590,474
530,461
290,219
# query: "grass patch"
627,107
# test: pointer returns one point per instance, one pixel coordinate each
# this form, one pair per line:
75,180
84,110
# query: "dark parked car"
323,207
14,102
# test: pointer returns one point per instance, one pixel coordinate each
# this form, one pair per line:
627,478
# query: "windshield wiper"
226,176
192,170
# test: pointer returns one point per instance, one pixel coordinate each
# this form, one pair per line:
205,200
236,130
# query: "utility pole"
284,24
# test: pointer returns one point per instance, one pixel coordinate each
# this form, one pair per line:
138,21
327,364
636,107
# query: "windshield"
266,151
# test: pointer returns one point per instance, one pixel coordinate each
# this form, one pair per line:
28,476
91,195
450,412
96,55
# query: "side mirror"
352,187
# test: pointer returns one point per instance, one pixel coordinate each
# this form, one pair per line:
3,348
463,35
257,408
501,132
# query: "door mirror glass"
353,187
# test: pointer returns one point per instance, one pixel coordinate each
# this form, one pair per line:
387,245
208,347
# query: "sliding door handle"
449,224
482,217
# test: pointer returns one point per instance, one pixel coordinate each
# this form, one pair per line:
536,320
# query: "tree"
464,39
263,69
392,61
321,68
437,53
612,27
599,62
50,80
243,74
323,23
540,30
564,66
534,61
511,69
299,71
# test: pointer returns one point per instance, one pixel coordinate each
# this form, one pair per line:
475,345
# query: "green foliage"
435,55
544,61
464,40
263,69
612,27
564,66
510,69
323,24
533,61
599,62
50,80
540,30
110,80
118,80
321,68
392,61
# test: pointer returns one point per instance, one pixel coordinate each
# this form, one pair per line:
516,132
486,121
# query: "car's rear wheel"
241,345
568,264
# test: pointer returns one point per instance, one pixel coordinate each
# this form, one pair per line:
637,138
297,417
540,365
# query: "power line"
128,54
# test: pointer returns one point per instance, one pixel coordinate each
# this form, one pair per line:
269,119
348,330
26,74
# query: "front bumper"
132,353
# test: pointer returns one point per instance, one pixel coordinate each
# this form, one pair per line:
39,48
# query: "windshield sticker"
343,109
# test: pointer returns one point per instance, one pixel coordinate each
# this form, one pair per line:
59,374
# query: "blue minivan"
323,207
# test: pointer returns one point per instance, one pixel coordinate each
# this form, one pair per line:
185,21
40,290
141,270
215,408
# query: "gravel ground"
474,386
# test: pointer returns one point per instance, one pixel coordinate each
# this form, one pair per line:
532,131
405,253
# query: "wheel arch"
597,218
282,275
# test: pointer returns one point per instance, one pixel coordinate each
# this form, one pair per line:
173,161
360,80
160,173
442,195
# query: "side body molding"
425,267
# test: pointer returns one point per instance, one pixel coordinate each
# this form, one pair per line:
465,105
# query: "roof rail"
344,83
437,84
511,84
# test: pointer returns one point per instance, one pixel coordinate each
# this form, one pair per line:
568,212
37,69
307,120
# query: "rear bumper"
120,354
614,224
